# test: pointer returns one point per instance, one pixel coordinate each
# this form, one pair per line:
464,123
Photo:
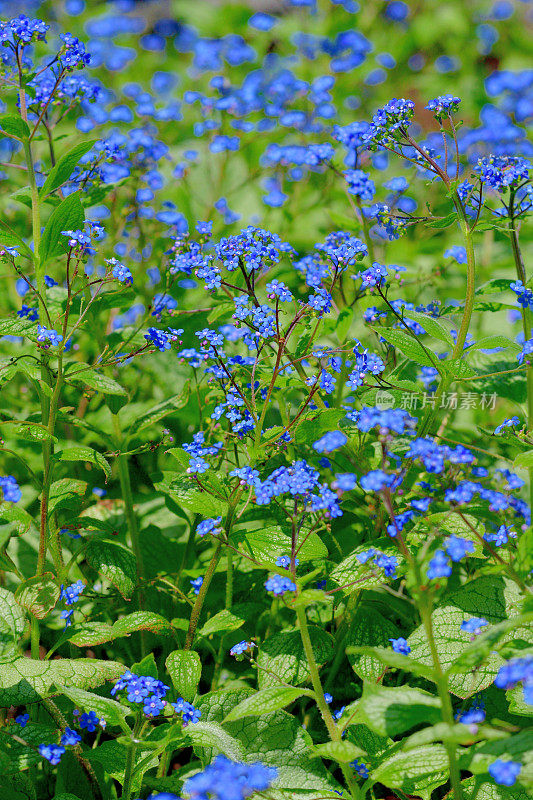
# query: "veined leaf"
26,680
185,670
266,700
63,168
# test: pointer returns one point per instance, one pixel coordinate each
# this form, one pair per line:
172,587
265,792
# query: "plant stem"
444,695
127,788
61,723
329,722
131,517
208,577
526,323
467,312
198,605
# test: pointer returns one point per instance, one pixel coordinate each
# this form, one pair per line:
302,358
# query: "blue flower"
474,625
360,768
241,647
188,712
196,583
278,585
439,566
90,721
505,773
330,441
400,645
229,780
10,489
70,737
52,752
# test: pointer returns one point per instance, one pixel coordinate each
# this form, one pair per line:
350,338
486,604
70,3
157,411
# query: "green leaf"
114,713
275,739
18,327
266,544
26,680
14,125
343,324
483,645
368,628
68,215
10,238
343,752
66,493
62,170
494,286
480,787
283,656
95,380
92,633
360,576
185,670
12,619
38,595
415,772
161,410
492,597
213,735
83,453
445,222
265,701
27,431
390,711
387,656
432,326
115,563
311,429
524,460
188,495
489,342
226,620
409,346
517,704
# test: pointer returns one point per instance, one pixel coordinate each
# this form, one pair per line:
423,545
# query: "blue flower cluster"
229,780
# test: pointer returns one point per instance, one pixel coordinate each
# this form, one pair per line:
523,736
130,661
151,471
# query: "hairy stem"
444,694
526,324
329,722
131,517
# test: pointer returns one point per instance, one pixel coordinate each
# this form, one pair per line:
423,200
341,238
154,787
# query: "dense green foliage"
266,458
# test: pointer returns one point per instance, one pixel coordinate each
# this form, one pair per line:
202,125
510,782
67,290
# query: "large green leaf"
83,453
491,597
484,788
92,633
267,543
283,656
161,410
187,494
415,772
68,215
276,739
62,170
185,670
25,680
226,620
12,619
84,374
38,595
115,563
392,710
368,628
410,346
265,701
